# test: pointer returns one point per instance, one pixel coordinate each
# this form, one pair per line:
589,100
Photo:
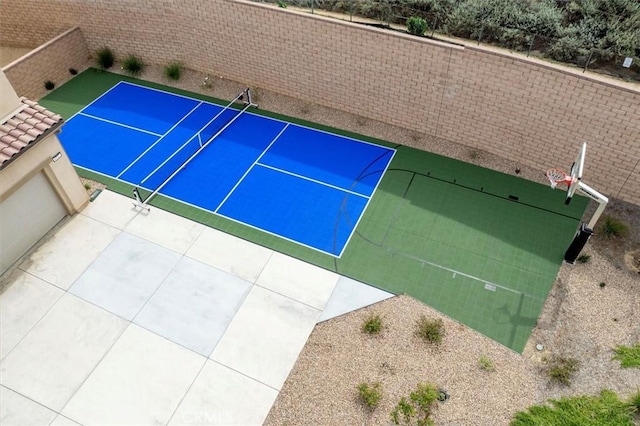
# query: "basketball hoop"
557,176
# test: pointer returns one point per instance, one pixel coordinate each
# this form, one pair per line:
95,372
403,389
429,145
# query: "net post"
139,203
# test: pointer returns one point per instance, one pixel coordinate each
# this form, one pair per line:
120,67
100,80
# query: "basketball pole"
586,230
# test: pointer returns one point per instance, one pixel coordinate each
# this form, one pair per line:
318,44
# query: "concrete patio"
122,317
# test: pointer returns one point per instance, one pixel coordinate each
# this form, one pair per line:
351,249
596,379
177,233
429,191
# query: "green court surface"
481,246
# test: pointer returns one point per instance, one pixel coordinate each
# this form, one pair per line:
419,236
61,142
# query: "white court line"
355,226
268,118
311,180
120,124
264,151
95,100
158,141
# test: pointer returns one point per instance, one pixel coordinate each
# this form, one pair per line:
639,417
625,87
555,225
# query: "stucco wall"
532,113
60,173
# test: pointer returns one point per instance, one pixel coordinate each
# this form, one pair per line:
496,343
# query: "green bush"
613,228
372,325
583,258
485,363
605,409
133,65
173,71
370,395
420,405
416,25
634,402
105,58
431,330
629,356
49,85
562,369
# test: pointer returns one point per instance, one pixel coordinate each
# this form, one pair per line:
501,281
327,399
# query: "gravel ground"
581,319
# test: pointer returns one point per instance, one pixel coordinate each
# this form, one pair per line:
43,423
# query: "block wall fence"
529,112
50,61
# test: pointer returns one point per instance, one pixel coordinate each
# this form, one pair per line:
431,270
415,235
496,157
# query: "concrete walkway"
128,318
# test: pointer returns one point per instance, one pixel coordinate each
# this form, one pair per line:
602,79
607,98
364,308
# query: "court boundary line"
355,226
115,123
186,203
95,100
265,117
159,139
246,172
266,166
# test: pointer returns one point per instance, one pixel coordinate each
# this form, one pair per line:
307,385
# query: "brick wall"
51,61
530,112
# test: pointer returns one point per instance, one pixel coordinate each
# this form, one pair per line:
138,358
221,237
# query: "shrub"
421,404
173,71
372,325
370,395
629,356
73,71
613,228
561,370
416,25
49,85
282,4
634,402
431,330
605,409
583,258
133,65
105,58
486,364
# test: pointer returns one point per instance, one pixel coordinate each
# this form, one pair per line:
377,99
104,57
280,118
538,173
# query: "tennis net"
180,158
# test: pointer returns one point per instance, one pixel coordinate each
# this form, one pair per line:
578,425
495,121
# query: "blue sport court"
301,184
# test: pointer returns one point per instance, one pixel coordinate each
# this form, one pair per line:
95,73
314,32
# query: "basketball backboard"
576,172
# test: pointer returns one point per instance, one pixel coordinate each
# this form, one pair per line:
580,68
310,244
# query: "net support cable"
144,204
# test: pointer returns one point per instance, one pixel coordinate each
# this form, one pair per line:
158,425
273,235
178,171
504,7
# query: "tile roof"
29,125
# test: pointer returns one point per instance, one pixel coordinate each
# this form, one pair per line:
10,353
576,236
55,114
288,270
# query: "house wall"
61,174
51,61
525,110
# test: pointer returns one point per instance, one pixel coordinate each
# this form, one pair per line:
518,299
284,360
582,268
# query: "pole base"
578,243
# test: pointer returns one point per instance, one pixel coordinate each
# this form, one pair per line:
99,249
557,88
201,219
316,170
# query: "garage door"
26,216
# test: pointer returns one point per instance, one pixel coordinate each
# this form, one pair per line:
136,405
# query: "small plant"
87,186
486,364
282,4
583,258
431,330
561,370
613,228
73,71
634,402
173,71
133,65
416,25
370,395
583,410
602,284
49,85
420,405
629,356
372,325
105,58
474,154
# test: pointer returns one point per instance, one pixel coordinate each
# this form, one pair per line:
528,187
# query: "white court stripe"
264,151
311,180
158,141
119,124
